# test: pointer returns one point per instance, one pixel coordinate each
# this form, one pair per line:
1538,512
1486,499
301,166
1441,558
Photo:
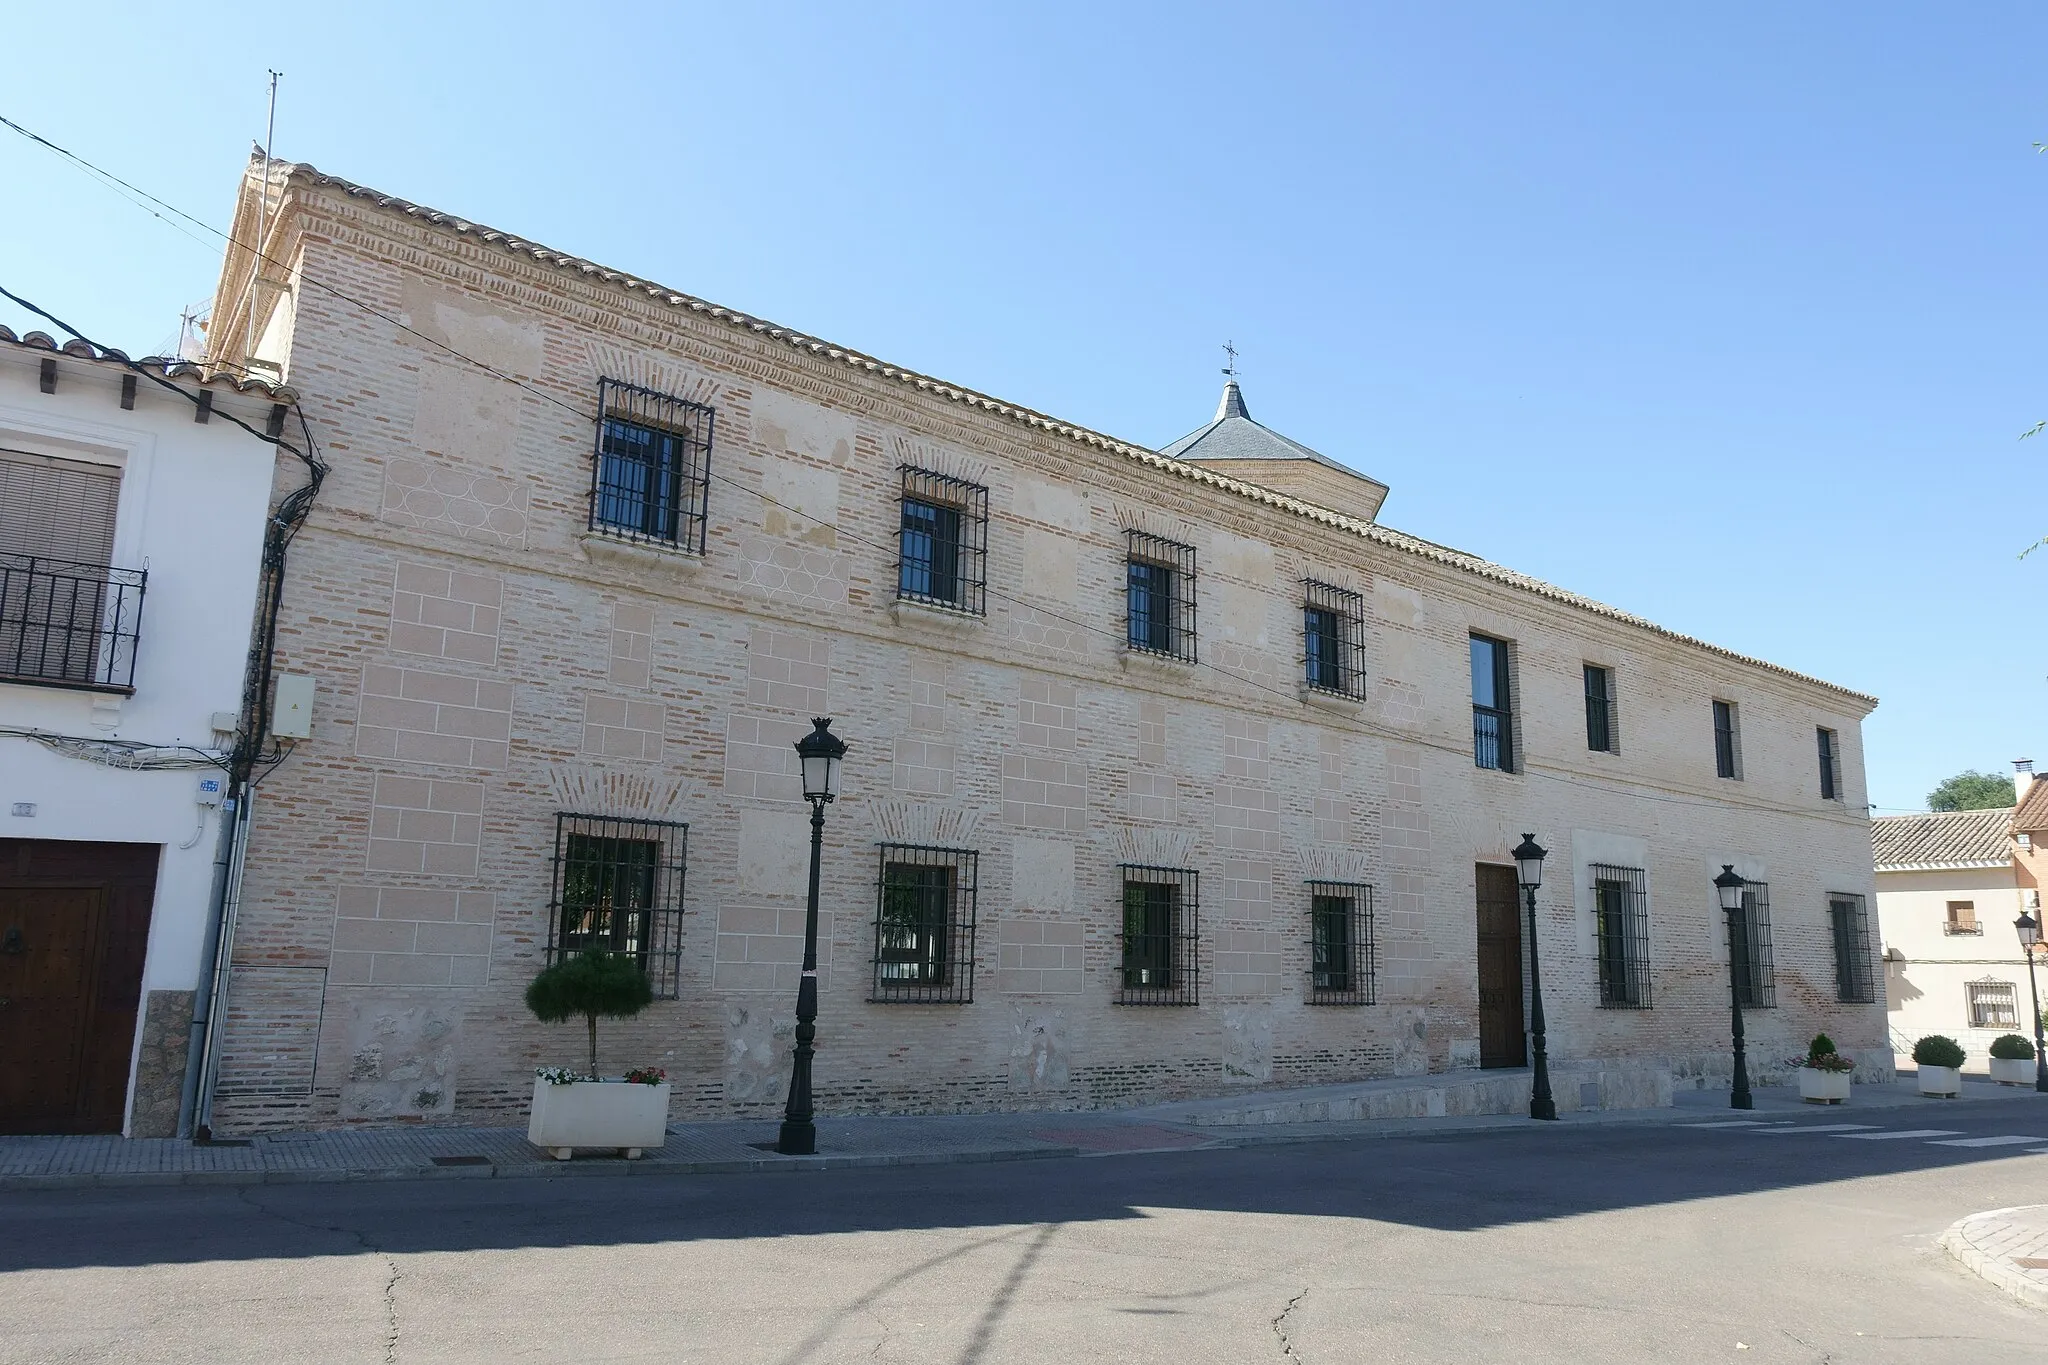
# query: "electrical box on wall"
291,712
211,789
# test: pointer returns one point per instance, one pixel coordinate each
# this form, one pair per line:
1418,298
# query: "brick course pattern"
485,661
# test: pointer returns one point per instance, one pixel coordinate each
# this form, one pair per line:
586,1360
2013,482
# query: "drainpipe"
212,1000
216,902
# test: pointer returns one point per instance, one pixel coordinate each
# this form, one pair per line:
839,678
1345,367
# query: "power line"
1352,724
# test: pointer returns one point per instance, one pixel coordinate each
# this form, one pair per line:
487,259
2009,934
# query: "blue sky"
1729,317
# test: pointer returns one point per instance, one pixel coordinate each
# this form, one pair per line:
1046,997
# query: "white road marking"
1725,1123
1832,1128
1894,1137
1986,1142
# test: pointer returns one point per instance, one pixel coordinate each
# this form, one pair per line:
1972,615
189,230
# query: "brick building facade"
1123,816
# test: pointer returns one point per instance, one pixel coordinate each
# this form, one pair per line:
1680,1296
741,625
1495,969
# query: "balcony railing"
69,624
1954,927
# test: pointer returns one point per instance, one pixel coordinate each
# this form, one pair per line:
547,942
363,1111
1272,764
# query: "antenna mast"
262,228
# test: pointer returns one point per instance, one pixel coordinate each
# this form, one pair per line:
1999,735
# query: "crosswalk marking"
1833,1128
1725,1123
1894,1137
1986,1142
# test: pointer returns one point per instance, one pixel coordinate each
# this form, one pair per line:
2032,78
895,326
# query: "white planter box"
1945,1081
1823,1087
2012,1070
617,1114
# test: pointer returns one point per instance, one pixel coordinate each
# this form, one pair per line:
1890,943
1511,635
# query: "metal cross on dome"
1230,357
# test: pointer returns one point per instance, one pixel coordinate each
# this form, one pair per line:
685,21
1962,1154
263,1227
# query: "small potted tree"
2012,1060
1940,1060
571,1110
1824,1074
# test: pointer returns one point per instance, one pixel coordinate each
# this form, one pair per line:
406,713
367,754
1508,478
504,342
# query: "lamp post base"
797,1139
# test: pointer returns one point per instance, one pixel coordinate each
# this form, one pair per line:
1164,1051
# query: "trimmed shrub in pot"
2012,1060
1824,1074
1940,1059
571,1110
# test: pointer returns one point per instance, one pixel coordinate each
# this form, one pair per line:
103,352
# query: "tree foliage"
594,985
1972,790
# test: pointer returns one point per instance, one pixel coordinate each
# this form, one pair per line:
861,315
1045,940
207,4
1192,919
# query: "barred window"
1993,1004
1830,764
1727,742
1493,723
1622,931
618,887
1855,982
1602,734
1161,941
1962,919
943,541
1333,639
924,925
651,477
1159,597
1340,943
1756,980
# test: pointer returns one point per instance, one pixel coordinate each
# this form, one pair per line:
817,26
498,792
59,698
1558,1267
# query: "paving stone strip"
2008,1247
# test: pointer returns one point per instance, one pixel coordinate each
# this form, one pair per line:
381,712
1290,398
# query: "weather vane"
1230,356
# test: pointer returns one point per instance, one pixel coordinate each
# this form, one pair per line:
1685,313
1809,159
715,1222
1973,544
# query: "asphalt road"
1663,1242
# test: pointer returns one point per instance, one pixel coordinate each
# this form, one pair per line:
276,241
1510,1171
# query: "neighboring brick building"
1127,731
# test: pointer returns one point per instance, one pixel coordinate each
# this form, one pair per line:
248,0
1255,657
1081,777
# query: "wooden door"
1502,1041
74,929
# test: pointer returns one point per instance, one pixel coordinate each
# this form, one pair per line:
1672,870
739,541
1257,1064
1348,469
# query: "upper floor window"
1962,919
1602,735
651,477
1830,764
68,618
943,541
1727,742
618,888
924,925
1493,737
1855,982
1160,596
1333,639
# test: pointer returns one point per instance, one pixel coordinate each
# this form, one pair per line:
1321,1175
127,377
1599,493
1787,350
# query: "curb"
1966,1240
552,1170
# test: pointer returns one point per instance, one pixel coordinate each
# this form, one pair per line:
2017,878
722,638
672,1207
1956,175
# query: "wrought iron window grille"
1621,932
618,887
66,623
1160,946
942,543
1830,765
1159,597
650,476
1333,639
1727,742
1756,979
1340,944
1849,922
925,905
1993,1004
1493,723
1603,733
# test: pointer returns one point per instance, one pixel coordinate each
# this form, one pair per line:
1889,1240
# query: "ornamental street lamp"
2030,937
819,753
1528,857
1728,886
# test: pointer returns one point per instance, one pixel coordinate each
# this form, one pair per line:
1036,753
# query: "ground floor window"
1161,940
1855,983
1993,1004
1622,933
1749,948
618,887
924,925
1340,943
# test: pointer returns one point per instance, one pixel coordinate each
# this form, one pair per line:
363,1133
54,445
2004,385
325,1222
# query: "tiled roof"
1234,434
2032,811
170,367
311,177
1968,838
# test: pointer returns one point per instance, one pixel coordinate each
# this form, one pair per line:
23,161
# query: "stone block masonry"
486,661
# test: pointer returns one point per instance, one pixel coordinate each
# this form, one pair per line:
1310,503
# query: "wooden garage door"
74,928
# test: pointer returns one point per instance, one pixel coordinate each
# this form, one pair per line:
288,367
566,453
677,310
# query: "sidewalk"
2008,1247
729,1146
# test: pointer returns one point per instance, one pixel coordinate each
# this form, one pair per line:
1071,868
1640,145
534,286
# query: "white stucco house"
132,514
